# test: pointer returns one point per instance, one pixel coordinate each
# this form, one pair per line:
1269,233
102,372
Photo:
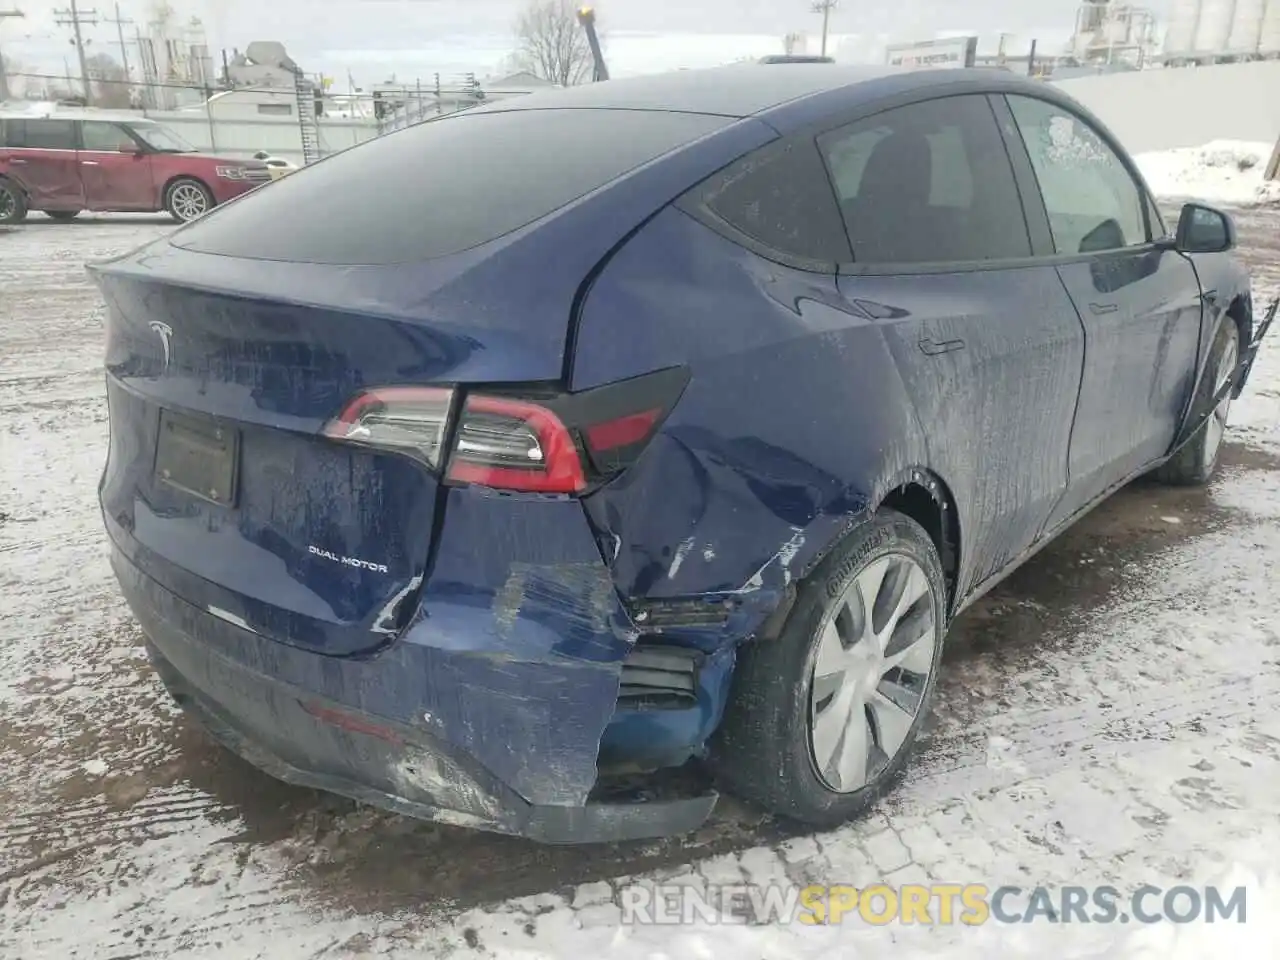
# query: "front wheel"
13,205
187,199
822,719
1194,464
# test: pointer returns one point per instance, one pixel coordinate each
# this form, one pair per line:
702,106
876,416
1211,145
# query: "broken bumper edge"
307,740
592,823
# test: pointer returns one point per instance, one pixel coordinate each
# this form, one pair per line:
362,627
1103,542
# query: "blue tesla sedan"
550,467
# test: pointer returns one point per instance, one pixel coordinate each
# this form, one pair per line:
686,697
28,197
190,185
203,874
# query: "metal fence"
397,108
241,121
236,122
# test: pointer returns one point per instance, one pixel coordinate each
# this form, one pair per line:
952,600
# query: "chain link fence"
242,121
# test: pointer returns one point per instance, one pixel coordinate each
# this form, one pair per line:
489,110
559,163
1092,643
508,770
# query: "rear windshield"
440,187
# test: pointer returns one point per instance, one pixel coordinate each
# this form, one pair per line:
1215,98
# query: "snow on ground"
1223,171
1109,715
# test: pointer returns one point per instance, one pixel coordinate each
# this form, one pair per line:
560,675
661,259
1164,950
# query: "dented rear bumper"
487,713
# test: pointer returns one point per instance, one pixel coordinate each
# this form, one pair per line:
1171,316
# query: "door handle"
89,163
17,162
1098,309
935,347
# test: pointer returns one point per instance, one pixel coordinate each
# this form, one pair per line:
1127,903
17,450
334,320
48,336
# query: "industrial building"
1208,31
1109,33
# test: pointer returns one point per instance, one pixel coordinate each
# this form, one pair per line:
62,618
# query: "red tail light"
515,445
408,420
561,443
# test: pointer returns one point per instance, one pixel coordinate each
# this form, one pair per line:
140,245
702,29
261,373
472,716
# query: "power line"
825,7
121,23
75,19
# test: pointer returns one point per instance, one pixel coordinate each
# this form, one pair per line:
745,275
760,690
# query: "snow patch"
1223,171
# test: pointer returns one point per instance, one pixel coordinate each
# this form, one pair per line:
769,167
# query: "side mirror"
128,146
1203,229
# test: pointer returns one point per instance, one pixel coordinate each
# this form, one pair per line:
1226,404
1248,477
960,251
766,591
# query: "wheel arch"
9,178
168,185
1240,310
925,497
22,197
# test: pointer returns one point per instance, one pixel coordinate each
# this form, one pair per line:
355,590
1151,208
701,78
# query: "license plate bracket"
199,457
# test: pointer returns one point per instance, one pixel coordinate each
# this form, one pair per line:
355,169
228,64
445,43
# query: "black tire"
13,203
1194,464
763,751
63,216
180,199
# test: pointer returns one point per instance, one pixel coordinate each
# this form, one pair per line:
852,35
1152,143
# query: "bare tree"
110,82
552,44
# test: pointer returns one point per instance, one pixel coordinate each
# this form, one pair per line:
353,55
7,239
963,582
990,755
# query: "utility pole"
4,75
121,23
825,7
1272,171
75,19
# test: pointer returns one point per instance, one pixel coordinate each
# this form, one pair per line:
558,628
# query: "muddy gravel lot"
1110,711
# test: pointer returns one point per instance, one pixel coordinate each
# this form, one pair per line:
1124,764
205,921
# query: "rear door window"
102,137
443,186
778,198
41,134
927,183
1093,202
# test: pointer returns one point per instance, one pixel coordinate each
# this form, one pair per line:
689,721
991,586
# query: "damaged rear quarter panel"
794,412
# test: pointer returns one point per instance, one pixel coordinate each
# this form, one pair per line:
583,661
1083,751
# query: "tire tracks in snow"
1040,743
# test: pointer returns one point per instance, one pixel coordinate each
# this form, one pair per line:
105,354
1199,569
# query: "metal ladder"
308,123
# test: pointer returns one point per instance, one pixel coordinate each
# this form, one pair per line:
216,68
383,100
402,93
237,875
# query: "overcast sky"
376,38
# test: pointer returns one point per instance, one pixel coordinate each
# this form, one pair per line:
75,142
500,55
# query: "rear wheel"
1194,464
187,199
823,718
13,205
62,215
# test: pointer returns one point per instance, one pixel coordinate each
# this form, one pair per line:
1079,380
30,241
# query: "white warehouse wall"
281,137
1185,106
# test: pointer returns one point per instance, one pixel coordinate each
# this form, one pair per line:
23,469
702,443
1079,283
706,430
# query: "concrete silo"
1246,26
1184,18
1214,28
1269,33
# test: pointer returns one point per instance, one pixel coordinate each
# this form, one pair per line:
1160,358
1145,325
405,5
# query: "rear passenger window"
780,198
1093,202
927,183
41,134
102,137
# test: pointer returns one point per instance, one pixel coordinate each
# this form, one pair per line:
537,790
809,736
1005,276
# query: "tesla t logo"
165,332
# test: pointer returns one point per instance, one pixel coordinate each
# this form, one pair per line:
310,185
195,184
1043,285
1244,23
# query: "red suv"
64,164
